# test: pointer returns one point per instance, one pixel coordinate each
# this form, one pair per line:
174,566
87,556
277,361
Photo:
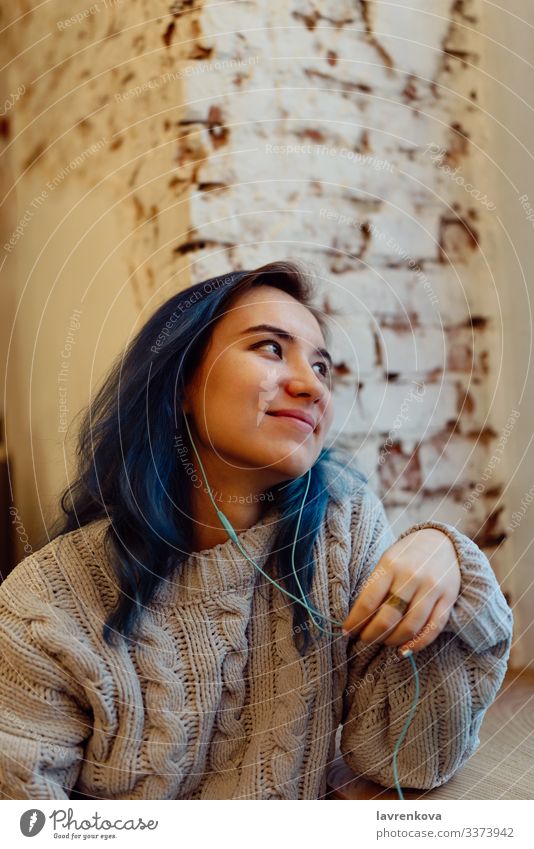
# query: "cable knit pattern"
229,738
290,708
213,701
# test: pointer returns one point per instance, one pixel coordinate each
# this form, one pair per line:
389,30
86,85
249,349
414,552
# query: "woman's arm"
42,724
460,672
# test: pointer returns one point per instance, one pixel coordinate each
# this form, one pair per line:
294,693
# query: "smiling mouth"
306,427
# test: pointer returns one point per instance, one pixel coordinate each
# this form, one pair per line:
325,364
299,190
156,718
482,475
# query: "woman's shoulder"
66,564
347,485
354,507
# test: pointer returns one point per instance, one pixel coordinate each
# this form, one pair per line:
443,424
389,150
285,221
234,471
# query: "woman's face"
247,376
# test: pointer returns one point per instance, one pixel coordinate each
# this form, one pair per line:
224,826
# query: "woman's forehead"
267,305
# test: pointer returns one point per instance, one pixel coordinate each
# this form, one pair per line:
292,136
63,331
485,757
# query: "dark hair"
127,468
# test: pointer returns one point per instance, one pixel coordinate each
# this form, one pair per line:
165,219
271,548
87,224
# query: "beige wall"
101,201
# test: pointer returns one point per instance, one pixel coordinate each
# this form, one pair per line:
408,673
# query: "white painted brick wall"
332,84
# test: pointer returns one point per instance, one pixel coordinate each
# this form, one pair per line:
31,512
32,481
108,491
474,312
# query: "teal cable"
402,735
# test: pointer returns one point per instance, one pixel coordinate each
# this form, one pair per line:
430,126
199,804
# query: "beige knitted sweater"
214,702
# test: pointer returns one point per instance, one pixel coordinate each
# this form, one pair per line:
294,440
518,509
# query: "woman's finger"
385,620
432,628
388,617
370,598
416,616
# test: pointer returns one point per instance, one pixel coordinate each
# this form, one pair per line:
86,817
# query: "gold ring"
397,602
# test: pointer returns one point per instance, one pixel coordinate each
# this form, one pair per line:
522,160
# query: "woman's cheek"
329,418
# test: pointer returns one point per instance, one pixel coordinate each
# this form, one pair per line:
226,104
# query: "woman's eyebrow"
284,334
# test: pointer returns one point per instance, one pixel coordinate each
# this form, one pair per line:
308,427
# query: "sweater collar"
224,567
215,570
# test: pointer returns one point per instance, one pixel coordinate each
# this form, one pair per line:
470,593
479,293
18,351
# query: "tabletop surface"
501,768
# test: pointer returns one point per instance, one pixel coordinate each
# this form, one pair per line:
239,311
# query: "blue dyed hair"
127,465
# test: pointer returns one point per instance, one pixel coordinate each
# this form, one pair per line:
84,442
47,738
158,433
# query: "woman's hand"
422,568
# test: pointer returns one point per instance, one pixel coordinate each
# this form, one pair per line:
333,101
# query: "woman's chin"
293,464
282,461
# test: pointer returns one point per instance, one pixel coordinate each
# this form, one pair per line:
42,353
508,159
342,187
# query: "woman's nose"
305,380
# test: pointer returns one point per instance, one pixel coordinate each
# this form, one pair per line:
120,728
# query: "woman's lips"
299,423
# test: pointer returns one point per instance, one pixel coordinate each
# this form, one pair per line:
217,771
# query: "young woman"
146,651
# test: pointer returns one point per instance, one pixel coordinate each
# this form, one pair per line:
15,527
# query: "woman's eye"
271,342
325,370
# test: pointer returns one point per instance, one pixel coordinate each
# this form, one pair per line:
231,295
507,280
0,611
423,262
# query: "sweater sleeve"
43,724
460,672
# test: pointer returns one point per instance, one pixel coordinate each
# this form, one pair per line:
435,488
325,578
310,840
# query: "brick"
413,350
396,410
451,461
353,344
